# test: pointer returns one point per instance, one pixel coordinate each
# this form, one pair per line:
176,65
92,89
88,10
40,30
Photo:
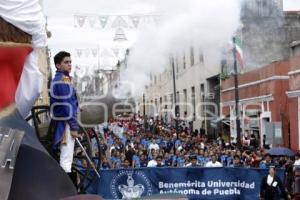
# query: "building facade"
270,49
293,95
197,89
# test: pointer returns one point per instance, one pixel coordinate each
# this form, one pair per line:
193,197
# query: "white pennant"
81,20
94,52
103,20
119,23
135,20
92,21
79,52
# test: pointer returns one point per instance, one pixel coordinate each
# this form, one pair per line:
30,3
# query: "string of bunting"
114,21
96,52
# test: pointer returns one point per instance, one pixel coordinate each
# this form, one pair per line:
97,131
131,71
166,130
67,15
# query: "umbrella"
281,151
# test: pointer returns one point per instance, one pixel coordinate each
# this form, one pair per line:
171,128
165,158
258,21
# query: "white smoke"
208,25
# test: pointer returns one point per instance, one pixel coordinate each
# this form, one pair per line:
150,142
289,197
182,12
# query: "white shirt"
297,162
152,163
211,164
270,180
202,145
153,146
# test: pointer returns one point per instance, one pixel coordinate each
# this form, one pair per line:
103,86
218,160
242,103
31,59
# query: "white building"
195,81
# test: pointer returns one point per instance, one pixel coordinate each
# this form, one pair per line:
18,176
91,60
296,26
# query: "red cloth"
12,60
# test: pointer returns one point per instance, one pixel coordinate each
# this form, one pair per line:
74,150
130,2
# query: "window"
185,101
171,99
177,65
193,102
184,62
166,103
160,103
177,97
192,56
202,91
202,96
201,58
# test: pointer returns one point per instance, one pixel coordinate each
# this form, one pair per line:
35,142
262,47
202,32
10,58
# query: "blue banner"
194,183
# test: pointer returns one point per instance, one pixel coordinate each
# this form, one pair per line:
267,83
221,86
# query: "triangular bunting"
94,52
119,23
81,20
79,52
92,21
135,20
103,20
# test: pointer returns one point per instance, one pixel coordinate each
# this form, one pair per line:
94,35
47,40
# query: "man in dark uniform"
63,108
271,187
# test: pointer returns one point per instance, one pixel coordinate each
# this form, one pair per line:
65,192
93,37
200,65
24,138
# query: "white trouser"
67,151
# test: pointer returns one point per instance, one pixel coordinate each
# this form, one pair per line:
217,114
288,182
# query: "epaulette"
66,79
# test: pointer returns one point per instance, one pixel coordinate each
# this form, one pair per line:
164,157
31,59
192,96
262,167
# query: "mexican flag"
239,51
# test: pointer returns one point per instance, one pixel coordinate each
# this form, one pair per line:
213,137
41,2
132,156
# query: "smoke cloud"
205,25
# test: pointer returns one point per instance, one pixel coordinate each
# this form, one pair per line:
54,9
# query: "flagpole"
236,89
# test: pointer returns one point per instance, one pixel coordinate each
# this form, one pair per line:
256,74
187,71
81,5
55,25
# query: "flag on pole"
239,52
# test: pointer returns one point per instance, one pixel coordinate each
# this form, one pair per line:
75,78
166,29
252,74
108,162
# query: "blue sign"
194,183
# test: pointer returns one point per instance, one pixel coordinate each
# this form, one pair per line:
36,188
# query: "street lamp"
237,114
175,99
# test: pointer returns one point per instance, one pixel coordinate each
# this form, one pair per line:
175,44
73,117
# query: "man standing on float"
63,108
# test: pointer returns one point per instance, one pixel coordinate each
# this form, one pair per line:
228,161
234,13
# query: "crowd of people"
161,146
135,144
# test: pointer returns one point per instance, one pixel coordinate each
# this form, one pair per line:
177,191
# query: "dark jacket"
64,104
275,191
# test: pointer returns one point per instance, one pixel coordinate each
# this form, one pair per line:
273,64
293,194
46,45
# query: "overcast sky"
60,15
61,22
67,35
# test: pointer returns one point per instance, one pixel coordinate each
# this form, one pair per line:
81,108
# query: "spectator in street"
136,161
297,160
105,164
103,147
152,162
194,162
159,161
153,145
129,154
213,162
236,162
126,164
266,162
143,161
271,187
